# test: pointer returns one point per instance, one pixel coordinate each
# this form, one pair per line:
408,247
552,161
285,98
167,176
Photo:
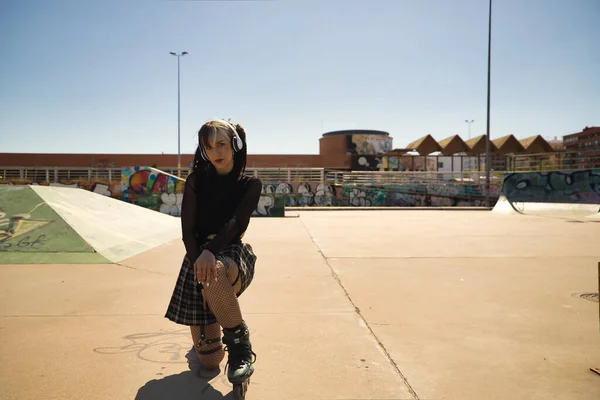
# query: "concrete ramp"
594,217
41,224
561,194
505,206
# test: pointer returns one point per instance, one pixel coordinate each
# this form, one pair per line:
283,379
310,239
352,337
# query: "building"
338,150
586,140
368,150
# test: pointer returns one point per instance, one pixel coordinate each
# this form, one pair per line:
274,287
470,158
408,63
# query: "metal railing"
267,175
276,175
58,174
534,162
408,177
559,161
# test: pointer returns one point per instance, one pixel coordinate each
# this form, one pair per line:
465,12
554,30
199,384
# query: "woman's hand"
205,268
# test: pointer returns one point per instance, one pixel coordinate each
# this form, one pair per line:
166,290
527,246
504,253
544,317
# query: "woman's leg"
221,295
207,343
222,299
207,339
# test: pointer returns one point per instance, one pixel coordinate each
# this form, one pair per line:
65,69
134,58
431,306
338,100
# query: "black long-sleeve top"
218,204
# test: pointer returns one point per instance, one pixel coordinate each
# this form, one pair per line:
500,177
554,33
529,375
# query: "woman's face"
220,153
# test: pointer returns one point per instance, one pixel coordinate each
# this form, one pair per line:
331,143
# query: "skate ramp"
505,206
561,194
41,224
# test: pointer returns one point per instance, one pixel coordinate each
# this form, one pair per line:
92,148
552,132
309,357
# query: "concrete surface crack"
140,269
339,282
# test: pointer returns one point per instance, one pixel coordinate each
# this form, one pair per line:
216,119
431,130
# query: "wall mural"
152,188
553,187
368,145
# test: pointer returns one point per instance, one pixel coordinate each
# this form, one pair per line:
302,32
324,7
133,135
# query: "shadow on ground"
194,384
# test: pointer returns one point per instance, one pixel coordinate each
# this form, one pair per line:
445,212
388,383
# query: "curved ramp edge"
116,229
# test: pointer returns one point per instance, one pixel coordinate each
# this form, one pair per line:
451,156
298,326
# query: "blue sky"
96,76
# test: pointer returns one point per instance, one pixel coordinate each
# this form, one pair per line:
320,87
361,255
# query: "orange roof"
536,144
507,144
477,145
425,145
452,145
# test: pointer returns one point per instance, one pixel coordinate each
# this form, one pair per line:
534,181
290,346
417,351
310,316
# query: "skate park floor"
374,304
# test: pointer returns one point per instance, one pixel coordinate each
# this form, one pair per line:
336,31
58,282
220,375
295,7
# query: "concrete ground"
378,304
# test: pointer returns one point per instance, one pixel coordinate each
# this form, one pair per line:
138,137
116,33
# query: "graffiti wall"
553,187
307,194
154,189
151,188
416,196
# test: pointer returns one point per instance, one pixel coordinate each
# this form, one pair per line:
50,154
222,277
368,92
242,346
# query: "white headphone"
237,142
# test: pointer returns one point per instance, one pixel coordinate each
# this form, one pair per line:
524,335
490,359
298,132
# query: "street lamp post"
488,158
469,122
178,114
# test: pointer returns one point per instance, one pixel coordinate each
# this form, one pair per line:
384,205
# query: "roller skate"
240,358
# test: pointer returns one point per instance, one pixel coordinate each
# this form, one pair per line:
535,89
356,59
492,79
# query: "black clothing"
187,300
217,204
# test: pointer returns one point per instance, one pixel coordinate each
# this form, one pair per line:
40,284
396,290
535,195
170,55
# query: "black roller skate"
240,358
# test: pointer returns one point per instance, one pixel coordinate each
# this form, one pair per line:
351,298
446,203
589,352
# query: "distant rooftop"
356,132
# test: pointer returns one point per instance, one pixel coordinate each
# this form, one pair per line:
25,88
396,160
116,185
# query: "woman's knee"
221,270
228,271
228,276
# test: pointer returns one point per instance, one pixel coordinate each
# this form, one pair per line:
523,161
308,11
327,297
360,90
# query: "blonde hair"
213,131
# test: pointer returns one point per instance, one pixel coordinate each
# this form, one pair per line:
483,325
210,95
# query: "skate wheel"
239,390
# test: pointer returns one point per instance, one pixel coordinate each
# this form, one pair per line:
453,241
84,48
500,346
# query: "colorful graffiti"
301,194
553,187
307,194
366,151
270,205
152,188
368,145
414,196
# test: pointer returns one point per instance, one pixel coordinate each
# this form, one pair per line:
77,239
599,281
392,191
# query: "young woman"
218,267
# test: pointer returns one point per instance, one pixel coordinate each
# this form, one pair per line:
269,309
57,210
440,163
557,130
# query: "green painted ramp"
32,232
58,225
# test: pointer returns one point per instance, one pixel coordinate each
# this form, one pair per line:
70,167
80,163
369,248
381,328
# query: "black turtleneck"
217,204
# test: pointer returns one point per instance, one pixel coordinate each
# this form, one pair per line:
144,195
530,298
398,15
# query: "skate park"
390,303
428,226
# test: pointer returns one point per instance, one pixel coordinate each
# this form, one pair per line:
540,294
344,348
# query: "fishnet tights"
223,302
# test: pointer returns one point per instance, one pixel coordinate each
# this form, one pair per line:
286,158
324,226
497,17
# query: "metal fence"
559,161
408,177
58,174
267,175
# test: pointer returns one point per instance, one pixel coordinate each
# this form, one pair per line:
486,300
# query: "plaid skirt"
186,304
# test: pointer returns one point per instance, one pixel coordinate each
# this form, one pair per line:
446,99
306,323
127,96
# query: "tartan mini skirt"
186,306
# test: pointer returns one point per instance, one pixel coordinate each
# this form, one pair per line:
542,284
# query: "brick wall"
284,161
332,155
91,160
161,160
333,145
